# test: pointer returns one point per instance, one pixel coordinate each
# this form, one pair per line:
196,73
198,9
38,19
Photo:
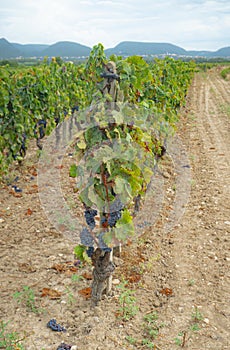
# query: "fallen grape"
55,326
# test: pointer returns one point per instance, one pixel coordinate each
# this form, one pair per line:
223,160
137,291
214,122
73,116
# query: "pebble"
116,281
206,320
74,347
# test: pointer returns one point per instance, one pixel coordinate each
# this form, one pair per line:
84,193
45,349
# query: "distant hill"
62,49
224,52
129,48
66,49
8,50
125,48
30,50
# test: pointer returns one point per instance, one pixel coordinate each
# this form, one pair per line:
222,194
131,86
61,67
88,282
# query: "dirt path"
182,275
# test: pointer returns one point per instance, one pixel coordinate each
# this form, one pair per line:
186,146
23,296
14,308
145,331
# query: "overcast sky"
191,24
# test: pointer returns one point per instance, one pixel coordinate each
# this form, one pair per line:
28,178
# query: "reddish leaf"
29,211
67,267
51,293
134,278
86,292
167,291
87,276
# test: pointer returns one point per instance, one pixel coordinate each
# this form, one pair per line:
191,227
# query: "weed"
225,108
128,308
152,326
191,282
71,300
131,340
76,278
179,339
27,298
9,341
194,327
197,316
149,344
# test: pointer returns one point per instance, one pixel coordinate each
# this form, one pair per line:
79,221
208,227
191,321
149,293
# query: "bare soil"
179,271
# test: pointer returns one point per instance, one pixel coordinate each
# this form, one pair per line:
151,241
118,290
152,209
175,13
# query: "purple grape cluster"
89,217
55,326
86,238
89,251
115,214
113,218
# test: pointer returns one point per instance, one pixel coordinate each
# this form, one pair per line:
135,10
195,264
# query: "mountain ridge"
124,48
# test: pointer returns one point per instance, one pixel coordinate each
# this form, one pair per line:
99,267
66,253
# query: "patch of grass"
71,300
224,73
128,308
76,278
9,340
27,297
151,328
148,343
131,340
195,327
225,108
191,282
197,315
179,340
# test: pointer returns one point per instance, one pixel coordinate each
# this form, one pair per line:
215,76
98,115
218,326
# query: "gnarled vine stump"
103,269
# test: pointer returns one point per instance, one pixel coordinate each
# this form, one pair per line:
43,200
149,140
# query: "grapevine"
130,107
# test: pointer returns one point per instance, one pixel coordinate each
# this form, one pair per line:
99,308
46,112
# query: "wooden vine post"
103,260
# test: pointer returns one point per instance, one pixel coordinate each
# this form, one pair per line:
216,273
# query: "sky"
191,24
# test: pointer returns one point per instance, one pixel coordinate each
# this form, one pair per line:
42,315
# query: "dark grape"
64,346
41,132
75,108
89,217
55,326
86,238
90,251
17,189
116,205
103,220
57,120
113,218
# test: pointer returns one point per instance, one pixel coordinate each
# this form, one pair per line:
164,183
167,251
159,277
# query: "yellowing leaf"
81,143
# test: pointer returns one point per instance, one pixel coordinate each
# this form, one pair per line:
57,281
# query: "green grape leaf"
93,136
123,189
95,198
79,251
73,170
124,228
81,143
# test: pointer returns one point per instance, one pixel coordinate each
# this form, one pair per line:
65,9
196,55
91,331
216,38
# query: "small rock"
74,347
206,320
227,222
116,281
1,220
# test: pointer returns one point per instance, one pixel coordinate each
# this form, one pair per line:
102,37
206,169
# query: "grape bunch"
113,218
115,214
23,146
55,326
116,205
86,238
89,217
89,251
